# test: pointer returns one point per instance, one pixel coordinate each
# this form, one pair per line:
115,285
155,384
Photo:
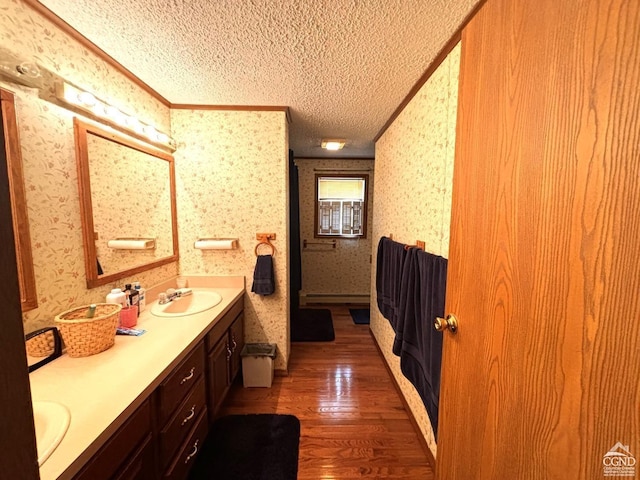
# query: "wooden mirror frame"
19,215
81,129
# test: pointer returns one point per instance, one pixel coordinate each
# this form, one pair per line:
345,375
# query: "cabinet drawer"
118,448
174,433
184,461
175,388
222,325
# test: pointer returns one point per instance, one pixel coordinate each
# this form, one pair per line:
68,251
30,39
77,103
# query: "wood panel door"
542,379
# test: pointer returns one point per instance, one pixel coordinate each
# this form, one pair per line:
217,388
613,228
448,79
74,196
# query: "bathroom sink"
51,421
197,302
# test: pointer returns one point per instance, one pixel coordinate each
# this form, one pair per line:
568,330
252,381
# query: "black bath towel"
389,264
419,345
263,278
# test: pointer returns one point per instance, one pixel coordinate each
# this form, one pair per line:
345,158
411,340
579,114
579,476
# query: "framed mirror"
26,275
127,203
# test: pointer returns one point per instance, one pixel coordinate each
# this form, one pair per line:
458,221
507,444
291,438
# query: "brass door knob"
451,323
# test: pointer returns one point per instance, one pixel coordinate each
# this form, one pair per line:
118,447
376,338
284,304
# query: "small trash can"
257,364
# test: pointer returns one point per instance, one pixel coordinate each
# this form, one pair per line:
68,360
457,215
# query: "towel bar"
306,242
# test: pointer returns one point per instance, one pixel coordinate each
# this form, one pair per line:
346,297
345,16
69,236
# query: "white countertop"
102,390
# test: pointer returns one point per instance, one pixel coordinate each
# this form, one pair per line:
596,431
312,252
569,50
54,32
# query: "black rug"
360,316
250,447
312,325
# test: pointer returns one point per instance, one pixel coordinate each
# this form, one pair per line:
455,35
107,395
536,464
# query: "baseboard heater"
306,298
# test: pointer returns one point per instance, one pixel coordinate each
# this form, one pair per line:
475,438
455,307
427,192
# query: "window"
341,205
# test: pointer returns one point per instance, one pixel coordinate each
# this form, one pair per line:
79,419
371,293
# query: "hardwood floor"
353,423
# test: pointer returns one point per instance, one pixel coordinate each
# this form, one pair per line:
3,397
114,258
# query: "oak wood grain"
353,422
542,378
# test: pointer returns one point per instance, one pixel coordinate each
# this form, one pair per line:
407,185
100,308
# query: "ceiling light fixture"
332,144
109,114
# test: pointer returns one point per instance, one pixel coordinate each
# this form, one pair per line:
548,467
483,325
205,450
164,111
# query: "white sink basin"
52,421
197,302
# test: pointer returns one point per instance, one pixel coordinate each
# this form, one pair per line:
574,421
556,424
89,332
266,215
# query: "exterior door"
542,379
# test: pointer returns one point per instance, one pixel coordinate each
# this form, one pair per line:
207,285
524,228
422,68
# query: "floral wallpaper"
412,198
49,161
231,181
117,176
347,268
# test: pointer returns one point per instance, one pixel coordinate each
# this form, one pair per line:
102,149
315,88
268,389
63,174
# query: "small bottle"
142,296
117,296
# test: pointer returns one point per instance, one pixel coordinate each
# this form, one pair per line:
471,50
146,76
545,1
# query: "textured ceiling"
342,66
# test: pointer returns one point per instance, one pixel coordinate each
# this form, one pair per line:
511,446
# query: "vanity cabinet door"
218,374
224,343
236,338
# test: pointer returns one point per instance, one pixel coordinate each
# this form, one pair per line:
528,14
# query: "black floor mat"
360,316
250,447
312,325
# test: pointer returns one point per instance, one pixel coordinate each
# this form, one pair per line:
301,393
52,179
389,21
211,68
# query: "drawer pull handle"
190,416
188,377
235,344
193,453
229,353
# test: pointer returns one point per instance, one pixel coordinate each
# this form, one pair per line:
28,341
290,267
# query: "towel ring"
273,249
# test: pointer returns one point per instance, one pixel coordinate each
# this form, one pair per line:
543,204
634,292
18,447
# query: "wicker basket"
87,336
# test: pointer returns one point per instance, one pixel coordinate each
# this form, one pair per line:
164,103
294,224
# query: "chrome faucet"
169,296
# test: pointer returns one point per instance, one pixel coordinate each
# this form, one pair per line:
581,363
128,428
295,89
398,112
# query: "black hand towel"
390,262
263,280
419,345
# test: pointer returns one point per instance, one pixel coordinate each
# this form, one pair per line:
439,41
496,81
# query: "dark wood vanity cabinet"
224,344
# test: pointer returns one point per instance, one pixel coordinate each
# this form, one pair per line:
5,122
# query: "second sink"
51,421
197,302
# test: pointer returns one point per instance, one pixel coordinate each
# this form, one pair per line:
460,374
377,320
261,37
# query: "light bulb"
86,98
100,109
113,111
150,131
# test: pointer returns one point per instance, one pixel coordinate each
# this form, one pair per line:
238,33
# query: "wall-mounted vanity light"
109,114
18,70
